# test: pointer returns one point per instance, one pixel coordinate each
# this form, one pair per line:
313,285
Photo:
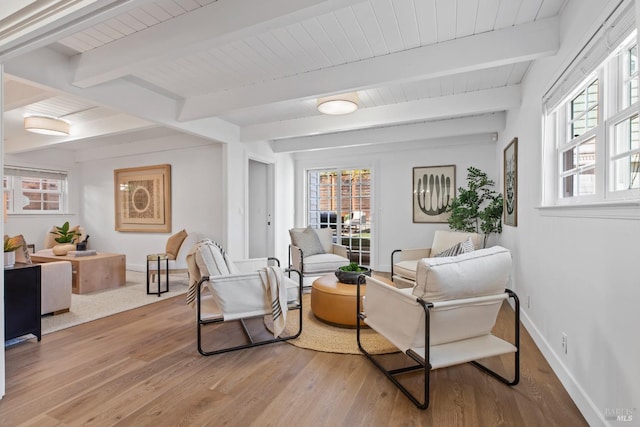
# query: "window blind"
34,173
618,25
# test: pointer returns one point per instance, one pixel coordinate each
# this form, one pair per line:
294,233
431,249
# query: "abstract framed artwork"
434,187
143,199
510,180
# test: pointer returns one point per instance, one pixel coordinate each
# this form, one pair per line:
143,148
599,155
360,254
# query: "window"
591,138
341,199
34,191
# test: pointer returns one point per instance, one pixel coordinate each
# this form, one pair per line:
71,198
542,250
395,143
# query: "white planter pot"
9,259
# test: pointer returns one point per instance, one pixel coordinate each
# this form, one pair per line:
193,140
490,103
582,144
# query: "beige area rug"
319,336
88,307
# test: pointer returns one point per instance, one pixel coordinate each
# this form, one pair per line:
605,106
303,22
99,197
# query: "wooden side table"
157,260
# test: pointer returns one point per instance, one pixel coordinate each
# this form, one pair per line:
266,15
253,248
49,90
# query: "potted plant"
478,208
350,273
9,252
65,239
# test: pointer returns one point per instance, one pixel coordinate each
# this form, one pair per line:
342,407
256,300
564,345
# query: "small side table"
157,259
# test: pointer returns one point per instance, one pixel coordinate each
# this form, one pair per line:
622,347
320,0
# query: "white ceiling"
239,71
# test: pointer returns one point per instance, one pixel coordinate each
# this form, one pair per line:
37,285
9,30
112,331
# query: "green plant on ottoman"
350,273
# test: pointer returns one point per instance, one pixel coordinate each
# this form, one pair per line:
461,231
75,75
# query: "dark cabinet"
22,301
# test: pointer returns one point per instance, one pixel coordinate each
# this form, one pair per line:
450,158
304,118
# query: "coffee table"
335,302
93,272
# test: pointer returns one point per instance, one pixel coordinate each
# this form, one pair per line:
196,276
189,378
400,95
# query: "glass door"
341,200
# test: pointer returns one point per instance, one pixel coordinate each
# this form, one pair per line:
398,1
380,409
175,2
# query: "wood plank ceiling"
271,69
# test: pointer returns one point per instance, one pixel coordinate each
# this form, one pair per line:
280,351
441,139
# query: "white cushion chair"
446,319
232,291
313,253
404,262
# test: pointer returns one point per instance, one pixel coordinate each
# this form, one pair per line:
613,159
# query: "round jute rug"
319,336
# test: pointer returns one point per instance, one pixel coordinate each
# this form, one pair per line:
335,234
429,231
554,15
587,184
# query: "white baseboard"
589,410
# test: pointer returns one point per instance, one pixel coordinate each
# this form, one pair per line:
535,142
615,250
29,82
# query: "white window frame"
14,193
612,78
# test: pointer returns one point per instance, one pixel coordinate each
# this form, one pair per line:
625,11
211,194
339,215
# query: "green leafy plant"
9,245
65,234
352,267
478,208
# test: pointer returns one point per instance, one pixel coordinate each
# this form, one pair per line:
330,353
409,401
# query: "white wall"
196,194
581,274
392,176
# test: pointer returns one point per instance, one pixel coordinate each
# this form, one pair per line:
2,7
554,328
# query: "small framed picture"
434,187
510,180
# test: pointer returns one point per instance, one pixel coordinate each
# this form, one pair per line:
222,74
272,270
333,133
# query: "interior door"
260,209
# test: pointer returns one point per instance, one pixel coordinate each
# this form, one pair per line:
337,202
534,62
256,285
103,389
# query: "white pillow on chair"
477,273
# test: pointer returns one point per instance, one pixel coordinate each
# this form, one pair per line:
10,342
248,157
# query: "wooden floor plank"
141,368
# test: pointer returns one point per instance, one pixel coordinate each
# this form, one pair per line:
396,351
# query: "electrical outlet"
564,342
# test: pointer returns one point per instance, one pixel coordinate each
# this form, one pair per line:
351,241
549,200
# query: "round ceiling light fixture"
338,104
46,126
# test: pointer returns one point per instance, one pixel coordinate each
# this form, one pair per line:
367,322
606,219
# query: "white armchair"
313,253
405,261
446,319
224,291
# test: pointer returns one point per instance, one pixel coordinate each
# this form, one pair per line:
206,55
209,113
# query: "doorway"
260,209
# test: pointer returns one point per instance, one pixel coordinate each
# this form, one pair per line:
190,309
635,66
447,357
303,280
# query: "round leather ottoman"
334,302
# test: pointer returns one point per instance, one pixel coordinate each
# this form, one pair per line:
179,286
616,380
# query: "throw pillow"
307,240
22,253
458,249
174,242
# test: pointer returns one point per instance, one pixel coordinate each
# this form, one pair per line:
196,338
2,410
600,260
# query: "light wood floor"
141,368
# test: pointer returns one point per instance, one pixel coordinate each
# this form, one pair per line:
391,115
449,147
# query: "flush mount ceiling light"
46,126
338,104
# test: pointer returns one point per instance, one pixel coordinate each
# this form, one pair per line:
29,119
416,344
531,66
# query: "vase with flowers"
10,252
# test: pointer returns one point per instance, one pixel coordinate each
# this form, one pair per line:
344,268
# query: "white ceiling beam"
215,24
43,23
491,49
465,104
51,69
484,124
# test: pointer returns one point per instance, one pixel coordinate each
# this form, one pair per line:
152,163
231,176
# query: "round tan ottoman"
334,302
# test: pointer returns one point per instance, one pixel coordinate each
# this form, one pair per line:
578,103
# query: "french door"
341,199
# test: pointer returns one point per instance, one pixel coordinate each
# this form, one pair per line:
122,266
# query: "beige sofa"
55,285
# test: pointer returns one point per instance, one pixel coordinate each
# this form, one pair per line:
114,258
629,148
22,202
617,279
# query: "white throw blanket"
273,282
206,258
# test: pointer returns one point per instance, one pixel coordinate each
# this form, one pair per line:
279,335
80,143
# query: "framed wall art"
510,180
143,199
434,187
